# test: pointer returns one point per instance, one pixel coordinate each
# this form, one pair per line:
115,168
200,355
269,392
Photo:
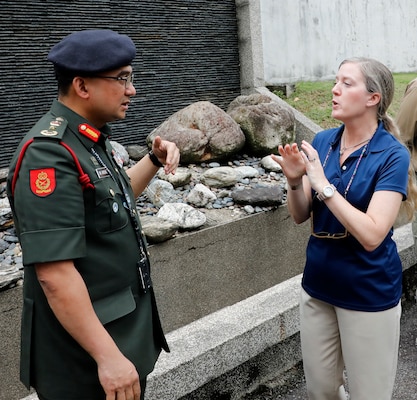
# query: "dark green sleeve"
48,205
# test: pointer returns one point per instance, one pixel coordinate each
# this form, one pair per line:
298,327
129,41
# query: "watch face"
328,191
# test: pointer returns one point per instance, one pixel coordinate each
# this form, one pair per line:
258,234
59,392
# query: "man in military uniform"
90,327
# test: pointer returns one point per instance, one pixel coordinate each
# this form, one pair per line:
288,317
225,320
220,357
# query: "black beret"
93,51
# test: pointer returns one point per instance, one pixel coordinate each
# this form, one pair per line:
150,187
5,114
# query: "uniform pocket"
110,214
115,306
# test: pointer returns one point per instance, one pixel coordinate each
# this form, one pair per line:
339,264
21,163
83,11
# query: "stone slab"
223,340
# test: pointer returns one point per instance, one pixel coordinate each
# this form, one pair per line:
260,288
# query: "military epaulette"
56,131
49,126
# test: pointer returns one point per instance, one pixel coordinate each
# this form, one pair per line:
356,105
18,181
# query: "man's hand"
168,154
119,379
142,172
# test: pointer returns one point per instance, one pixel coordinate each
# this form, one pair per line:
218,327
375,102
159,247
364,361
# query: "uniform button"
344,167
115,207
111,191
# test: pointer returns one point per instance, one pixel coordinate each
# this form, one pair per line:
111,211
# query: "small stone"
249,209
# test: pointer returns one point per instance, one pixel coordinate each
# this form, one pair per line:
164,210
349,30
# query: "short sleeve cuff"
53,245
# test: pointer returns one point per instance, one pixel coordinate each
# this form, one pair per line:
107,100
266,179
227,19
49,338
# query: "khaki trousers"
364,343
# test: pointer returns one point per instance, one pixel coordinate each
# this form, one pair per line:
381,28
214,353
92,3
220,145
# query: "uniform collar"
81,127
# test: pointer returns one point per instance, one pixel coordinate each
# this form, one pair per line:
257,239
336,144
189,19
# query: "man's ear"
80,86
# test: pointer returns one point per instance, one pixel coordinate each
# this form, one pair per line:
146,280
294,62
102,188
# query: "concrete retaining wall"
202,272
289,41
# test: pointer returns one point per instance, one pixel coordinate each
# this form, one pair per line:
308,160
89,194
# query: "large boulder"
266,123
203,132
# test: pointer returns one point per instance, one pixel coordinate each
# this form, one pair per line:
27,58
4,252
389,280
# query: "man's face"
109,95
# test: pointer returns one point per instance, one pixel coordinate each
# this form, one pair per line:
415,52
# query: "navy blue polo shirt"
340,271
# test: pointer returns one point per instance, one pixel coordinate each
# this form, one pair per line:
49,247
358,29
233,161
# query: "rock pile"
202,195
11,268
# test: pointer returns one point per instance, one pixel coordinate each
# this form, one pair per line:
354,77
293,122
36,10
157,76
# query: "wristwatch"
326,193
154,159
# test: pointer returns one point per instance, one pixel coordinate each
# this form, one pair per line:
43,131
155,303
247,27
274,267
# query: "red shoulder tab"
90,132
42,181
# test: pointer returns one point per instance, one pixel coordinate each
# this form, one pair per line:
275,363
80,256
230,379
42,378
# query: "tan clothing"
407,119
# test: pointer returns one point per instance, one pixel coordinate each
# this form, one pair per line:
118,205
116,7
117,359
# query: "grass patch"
313,99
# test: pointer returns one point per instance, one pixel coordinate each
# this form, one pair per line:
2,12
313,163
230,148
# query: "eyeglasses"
327,235
128,79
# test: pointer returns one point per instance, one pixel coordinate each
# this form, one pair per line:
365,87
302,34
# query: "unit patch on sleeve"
42,181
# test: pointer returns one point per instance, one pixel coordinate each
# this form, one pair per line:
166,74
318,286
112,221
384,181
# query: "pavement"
406,379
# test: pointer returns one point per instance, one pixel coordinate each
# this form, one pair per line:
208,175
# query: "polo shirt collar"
379,142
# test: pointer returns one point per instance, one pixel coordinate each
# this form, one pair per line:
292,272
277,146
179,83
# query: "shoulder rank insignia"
42,181
90,132
53,125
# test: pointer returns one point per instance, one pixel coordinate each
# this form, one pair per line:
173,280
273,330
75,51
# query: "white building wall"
307,39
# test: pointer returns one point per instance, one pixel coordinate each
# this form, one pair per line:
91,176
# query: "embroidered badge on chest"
42,181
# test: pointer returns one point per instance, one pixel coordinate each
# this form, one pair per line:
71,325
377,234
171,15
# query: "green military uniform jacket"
56,218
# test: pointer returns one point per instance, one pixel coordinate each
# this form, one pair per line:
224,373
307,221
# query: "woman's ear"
374,99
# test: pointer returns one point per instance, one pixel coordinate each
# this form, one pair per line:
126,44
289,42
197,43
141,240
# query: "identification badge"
102,172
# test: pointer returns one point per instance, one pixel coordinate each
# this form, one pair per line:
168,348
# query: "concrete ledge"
220,342
405,240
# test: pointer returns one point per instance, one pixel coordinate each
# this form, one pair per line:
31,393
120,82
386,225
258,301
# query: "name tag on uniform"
102,172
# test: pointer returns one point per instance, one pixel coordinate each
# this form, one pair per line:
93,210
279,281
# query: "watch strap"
154,159
321,196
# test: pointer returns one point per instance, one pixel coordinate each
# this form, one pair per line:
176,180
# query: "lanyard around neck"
354,171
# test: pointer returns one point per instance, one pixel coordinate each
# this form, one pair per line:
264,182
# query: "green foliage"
314,99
